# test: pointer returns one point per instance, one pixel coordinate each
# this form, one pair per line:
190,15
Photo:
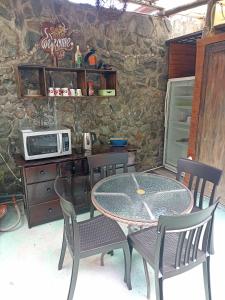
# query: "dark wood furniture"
41,202
42,77
182,55
206,135
207,140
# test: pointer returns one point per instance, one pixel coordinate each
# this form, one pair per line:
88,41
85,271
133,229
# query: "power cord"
2,157
13,226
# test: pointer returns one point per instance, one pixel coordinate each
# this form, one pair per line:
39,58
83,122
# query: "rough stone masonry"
134,44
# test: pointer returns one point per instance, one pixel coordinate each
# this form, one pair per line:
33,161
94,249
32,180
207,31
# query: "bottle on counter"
78,57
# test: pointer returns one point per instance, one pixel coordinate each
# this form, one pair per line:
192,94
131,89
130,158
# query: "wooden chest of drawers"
41,202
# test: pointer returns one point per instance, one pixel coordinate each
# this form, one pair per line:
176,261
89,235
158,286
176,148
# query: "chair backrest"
190,237
64,189
199,177
106,164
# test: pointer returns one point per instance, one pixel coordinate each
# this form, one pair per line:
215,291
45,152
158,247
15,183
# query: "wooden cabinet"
182,55
41,202
181,60
34,80
207,139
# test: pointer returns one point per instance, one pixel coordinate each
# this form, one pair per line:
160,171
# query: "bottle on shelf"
90,59
78,57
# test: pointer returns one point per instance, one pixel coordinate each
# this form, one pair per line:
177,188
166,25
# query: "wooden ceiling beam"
181,8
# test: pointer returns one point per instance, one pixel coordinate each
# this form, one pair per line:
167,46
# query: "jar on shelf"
91,90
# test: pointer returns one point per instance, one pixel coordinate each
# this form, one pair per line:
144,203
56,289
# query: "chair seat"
99,232
144,241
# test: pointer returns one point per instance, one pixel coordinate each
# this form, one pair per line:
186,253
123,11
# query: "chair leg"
63,251
158,287
212,251
73,279
206,275
129,270
103,254
127,264
146,277
102,259
92,209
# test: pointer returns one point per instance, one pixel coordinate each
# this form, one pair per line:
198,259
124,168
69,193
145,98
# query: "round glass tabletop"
140,198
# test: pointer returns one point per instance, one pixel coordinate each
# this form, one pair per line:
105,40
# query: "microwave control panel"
65,142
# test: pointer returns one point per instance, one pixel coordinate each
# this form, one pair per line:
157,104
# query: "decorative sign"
56,39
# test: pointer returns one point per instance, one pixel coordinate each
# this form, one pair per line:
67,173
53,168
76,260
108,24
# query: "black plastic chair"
202,180
104,165
178,244
93,236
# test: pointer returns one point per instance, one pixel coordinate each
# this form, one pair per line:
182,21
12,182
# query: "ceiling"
150,6
198,12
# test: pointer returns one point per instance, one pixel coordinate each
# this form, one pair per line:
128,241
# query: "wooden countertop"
20,162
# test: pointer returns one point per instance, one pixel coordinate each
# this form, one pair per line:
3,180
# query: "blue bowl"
118,142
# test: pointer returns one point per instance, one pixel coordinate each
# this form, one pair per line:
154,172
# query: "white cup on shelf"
72,92
79,92
65,92
51,92
57,92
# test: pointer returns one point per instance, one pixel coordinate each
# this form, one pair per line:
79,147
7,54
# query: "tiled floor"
28,269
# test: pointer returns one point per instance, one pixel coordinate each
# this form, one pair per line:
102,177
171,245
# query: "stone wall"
133,44
182,25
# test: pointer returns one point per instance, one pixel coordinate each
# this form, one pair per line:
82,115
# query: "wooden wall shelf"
41,77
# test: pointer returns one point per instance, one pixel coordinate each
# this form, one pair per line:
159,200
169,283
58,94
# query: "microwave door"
42,145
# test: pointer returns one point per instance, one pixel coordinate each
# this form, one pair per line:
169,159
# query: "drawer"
41,192
40,173
45,212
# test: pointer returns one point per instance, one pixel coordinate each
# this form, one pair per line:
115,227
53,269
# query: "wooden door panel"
211,132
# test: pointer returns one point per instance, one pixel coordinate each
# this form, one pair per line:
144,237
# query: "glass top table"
140,198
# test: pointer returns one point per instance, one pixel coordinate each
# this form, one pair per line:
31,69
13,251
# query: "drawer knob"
42,172
50,210
48,189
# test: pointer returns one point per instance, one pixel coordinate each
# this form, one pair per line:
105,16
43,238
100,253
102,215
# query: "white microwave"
45,143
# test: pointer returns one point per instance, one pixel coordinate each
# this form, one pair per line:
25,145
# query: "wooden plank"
210,146
181,60
200,55
42,82
207,139
19,84
82,82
